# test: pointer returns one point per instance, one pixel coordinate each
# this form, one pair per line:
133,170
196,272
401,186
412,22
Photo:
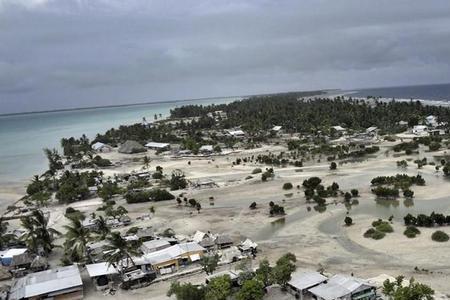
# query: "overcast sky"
77,53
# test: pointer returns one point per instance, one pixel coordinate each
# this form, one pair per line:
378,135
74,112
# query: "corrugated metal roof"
156,145
167,254
100,269
338,286
302,280
154,244
45,282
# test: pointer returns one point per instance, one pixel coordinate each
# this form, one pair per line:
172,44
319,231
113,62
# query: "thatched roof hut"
130,147
224,241
207,242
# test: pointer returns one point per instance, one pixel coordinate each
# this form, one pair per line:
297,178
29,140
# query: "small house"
169,259
145,234
206,149
372,131
276,128
431,121
223,241
199,236
154,245
158,146
344,287
8,255
208,243
101,147
420,130
248,246
59,283
21,263
90,224
101,274
301,281
236,133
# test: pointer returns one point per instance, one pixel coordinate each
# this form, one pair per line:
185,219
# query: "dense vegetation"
250,284
422,220
257,115
378,230
148,195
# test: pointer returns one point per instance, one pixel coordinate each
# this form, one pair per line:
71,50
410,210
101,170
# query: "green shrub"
369,233
411,232
384,227
157,175
434,146
348,221
287,186
355,192
256,171
151,195
377,222
378,235
110,202
439,236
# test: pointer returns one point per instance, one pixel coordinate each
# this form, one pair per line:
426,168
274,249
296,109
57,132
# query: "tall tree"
396,290
252,289
119,252
186,291
146,161
219,288
102,227
77,237
54,160
283,269
38,236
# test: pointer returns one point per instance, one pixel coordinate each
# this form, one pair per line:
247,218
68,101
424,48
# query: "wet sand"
318,239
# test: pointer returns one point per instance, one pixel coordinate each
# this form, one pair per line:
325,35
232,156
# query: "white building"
158,146
206,149
101,147
339,128
236,133
420,130
276,128
59,283
154,245
301,281
342,287
431,121
101,274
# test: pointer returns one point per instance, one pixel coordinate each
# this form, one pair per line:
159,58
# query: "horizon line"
146,103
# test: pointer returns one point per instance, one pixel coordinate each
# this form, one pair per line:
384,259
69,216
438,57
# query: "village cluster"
165,254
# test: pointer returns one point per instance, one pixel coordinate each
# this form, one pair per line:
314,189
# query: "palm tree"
38,236
120,251
77,237
54,160
102,227
152,210
146,162
5,238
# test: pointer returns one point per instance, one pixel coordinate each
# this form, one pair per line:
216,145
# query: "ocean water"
436,92
23,137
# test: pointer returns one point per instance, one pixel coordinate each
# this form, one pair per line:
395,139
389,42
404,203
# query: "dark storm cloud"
72,53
